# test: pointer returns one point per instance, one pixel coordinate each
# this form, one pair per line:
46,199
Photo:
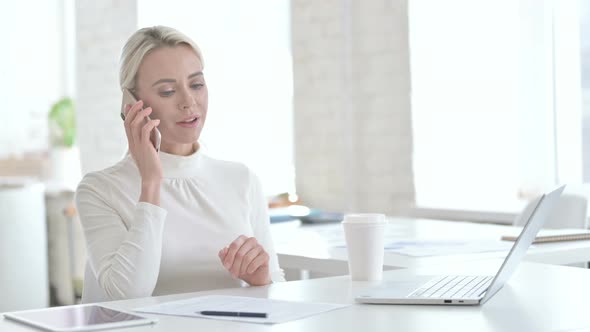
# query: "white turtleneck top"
140,249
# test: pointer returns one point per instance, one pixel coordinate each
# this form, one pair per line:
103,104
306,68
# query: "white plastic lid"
364,218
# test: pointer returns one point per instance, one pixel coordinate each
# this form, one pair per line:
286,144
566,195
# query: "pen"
234,314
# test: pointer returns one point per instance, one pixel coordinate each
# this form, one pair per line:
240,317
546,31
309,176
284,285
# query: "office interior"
457,111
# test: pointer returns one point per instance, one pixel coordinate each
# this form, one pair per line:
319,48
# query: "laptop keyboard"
453,287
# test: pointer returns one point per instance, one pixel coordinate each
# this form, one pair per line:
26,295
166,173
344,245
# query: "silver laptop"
461,289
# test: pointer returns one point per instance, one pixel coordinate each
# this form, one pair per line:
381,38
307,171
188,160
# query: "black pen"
233,314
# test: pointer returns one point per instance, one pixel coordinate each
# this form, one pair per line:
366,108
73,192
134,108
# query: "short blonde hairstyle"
141,43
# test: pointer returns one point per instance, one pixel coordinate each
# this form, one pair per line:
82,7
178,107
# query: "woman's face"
171,81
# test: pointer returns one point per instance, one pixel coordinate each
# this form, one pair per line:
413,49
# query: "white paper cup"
364,235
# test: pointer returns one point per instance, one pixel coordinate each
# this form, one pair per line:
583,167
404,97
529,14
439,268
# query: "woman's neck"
180,149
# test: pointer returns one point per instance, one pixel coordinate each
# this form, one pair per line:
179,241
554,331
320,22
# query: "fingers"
222,253
126,108
243,256
248,258
127,131
248,245
146,130
240,254
130,114
140,117
233,250
260,261
138,123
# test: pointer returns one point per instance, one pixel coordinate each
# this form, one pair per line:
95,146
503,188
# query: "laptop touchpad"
396,289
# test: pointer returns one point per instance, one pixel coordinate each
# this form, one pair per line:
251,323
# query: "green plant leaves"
62,123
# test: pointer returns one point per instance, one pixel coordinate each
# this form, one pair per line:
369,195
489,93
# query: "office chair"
570,212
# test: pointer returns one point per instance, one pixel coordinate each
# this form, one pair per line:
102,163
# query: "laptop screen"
535,222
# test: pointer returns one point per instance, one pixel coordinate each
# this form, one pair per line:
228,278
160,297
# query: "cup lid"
364,218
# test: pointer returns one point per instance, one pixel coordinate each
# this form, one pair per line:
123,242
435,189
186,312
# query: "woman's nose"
187,100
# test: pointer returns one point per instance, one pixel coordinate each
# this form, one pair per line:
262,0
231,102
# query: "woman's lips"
191,124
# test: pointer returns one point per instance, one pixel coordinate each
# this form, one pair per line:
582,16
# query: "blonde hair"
141,43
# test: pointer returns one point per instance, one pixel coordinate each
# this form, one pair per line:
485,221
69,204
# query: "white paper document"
423,248
277,311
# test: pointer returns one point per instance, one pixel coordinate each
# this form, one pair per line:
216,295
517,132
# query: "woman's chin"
186,138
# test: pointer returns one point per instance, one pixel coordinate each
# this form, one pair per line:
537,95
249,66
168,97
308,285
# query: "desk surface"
539,297
314,247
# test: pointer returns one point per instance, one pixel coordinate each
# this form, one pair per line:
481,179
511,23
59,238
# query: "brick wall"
352,116
102,27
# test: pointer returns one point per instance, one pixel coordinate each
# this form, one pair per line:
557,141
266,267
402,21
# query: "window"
499,100
247,54
584,16
26,100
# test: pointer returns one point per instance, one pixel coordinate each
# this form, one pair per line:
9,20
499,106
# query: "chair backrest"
570,212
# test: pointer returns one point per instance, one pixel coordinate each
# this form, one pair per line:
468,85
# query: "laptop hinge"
485,290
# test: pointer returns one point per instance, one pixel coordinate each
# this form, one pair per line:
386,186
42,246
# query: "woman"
174,221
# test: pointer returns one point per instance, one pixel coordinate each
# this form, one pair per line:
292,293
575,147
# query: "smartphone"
129,99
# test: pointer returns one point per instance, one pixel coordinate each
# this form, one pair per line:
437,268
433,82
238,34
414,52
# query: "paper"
423,248
278,311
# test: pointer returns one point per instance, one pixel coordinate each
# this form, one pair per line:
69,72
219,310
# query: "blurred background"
456,109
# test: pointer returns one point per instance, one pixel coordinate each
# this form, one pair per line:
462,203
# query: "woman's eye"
196,86
166,93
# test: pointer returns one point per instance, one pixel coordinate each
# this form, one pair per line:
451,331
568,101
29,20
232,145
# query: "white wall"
31,73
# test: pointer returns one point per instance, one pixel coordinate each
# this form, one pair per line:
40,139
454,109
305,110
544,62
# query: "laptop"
462,289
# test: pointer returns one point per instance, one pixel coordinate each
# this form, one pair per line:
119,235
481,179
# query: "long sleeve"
124,256
260,222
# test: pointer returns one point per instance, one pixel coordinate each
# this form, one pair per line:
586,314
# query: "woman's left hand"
246,259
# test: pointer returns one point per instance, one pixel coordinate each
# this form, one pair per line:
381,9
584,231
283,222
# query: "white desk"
314,247
539,297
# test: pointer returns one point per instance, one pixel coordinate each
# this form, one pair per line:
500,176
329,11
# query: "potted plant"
64,157
62,123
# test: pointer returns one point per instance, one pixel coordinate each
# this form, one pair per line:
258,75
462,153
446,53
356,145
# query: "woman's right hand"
141,148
